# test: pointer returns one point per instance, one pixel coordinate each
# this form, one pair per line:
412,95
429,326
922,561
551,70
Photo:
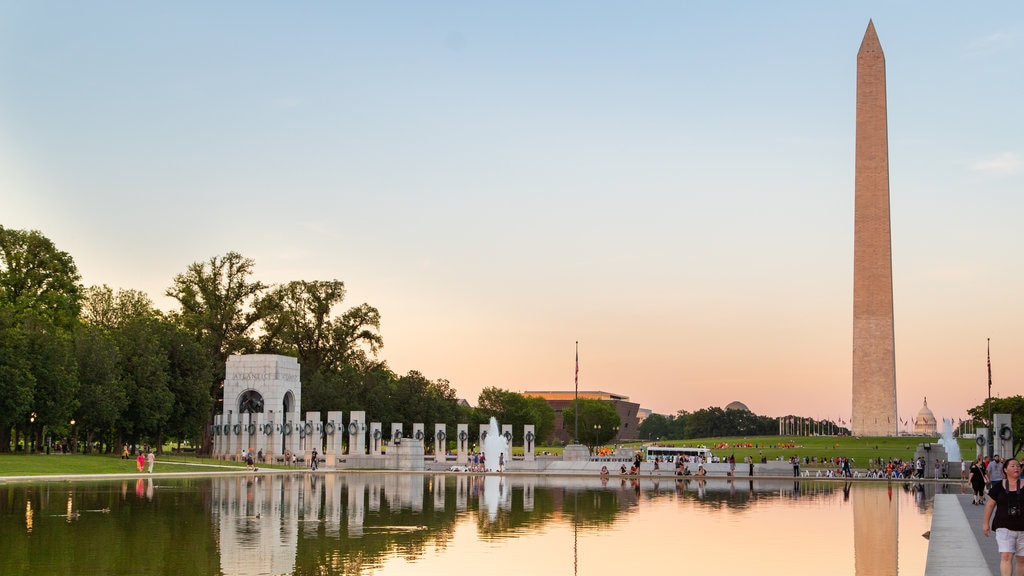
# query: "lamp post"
32,431
597,431
74,442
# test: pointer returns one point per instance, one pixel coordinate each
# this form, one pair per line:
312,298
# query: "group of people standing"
142,460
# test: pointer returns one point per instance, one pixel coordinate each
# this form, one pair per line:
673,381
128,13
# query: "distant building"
924,424
643,414
737,406
560,400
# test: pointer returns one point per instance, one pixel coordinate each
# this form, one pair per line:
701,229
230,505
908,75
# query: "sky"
669,184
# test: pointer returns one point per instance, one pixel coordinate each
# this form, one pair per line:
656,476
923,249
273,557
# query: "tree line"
102,367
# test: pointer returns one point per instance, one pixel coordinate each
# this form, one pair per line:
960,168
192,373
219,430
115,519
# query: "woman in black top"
1007,500
978,481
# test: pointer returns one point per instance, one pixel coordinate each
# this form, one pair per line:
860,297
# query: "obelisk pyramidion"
874,348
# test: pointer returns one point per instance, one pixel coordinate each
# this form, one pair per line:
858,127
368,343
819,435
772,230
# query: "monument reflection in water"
372,523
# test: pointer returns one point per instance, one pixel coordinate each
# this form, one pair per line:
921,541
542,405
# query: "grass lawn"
57,464
862,450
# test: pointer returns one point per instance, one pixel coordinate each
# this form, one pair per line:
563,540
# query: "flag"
988,347
577,377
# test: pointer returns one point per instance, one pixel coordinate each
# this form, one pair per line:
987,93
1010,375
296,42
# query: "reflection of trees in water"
106,528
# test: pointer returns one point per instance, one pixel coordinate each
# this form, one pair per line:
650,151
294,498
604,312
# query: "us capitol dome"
924,423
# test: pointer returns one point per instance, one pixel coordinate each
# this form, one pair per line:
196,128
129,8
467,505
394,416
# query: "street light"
597,431
32,431
73,439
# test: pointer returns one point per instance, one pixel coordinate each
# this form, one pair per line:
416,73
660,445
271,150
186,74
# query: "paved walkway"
957,546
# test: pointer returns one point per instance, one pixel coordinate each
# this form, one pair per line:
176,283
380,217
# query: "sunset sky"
670,184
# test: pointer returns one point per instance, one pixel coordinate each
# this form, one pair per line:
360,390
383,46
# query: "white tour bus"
673,453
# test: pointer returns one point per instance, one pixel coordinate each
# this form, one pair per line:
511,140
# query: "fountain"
948,442
495,447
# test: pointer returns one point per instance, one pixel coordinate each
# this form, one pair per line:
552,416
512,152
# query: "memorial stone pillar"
440,445
506,431
462,444
357,432
396,432
334,432
1002,435
261,437
315,438
249,435
376,435
229,436
529,443
218,439
417,431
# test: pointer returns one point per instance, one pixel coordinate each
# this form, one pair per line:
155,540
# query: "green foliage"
598,422
1014,406
515,409
39,306
659,426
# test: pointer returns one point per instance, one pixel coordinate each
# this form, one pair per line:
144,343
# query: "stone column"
263,441
218,437
334,432
238,436
249,435
357,432
529,443
417,432
290,433
314,439
483,435
440,443
229,437
396,431
376,436
462,444
1002,437
506,431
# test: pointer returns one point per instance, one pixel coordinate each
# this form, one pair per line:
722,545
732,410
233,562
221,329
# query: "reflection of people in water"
700,488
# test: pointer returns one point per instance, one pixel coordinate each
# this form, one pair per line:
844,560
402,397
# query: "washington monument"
874,348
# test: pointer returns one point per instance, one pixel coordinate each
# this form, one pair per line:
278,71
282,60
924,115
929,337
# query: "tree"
101,392
39,305
36,277
298,321
1014,406
220,305
659,426
515,409
598,420
17,382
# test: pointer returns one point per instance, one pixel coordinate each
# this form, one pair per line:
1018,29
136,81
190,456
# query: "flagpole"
991,428
576,410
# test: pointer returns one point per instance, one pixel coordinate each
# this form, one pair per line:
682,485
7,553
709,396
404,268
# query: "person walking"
977,479
151,460
140,461
1006,499
995,471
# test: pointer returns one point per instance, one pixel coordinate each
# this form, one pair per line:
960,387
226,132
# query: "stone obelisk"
874,348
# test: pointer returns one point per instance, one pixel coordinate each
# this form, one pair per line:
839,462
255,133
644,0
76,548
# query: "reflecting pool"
386,524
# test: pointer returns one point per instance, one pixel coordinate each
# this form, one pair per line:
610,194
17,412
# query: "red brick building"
628,412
